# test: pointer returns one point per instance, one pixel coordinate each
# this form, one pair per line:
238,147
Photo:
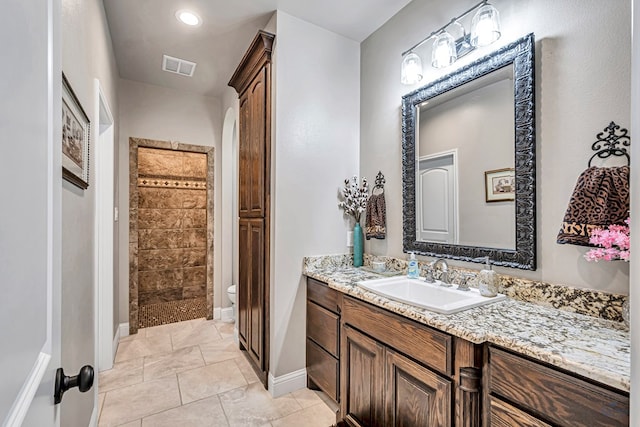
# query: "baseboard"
287,383
226,314
216,313
123,330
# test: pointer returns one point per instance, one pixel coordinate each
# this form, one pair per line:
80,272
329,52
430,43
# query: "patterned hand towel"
600,198
376,222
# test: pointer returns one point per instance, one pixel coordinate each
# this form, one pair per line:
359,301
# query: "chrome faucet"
444,277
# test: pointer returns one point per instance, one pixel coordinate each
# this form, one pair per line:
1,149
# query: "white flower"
354,197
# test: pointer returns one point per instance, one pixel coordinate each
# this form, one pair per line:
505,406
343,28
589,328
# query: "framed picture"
500,185
75,138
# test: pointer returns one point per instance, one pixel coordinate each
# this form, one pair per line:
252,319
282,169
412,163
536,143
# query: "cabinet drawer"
323,327
323,295
505,415
553,395
426,345
322,369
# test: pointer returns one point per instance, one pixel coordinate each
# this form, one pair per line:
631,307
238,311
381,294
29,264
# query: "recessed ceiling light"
188,17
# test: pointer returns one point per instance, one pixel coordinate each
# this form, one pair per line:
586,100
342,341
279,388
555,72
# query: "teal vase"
358,245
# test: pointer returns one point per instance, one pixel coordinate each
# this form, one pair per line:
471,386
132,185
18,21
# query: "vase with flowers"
354,197
613,244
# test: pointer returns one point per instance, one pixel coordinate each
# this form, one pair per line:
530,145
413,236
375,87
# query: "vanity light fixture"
188,17
485,29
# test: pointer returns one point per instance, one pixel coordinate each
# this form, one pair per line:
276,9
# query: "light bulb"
485,26
411,72
443,52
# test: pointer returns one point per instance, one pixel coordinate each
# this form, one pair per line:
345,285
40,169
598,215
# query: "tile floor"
191,374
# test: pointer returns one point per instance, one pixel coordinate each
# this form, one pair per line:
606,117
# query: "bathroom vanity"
387,363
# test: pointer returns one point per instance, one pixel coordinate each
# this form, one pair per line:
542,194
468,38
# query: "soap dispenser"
487,280
413,272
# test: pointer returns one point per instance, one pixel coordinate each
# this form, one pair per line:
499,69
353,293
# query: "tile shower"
172,235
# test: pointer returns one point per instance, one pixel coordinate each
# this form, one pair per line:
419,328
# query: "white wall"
316,116
86,54
154,112
582,83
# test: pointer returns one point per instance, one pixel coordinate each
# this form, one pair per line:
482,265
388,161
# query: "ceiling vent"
178,66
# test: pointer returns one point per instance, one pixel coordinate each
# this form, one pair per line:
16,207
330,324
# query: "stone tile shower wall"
172,225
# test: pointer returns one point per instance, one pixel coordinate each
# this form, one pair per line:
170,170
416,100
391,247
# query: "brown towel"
600,198
376,222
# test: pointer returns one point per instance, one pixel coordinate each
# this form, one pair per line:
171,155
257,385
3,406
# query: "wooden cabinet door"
361,379
244,155
257,143
244,280
257,294
251,293
253,148
414,395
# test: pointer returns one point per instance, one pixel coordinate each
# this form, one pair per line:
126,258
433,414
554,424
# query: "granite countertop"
595,348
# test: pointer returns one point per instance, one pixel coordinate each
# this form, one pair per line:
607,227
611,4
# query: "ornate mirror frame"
521,54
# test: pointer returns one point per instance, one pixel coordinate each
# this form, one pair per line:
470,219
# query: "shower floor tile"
171,312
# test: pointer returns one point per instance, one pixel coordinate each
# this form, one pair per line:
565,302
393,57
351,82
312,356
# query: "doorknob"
84,381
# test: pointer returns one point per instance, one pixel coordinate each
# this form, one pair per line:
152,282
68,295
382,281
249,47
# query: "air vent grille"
178,66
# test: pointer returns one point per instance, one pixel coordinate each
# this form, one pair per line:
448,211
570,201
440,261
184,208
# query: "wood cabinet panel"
244,158
504,415
251,313
256,142
428,346
256,292
323,327
244,281
553,395
361,379
322,369
414,395
323,295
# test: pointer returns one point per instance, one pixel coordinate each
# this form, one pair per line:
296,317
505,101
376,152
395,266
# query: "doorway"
171,232
437,207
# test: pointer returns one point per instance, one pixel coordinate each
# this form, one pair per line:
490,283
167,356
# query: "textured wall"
582,83
172,225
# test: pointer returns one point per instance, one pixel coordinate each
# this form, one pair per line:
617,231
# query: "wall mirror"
468,144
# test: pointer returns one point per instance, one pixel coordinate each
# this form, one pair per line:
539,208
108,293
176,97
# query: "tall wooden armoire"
252,81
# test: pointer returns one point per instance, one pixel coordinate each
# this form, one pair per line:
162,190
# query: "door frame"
106,342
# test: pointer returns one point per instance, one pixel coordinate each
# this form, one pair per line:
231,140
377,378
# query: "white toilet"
231,293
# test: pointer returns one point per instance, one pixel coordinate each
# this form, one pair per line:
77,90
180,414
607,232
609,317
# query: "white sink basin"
431,296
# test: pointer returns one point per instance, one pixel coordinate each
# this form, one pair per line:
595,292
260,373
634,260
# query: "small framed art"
75,138
500,185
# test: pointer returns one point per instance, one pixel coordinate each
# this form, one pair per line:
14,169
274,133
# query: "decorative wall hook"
609,138
380,181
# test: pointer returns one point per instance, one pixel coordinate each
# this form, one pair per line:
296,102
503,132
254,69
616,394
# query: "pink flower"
614,243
